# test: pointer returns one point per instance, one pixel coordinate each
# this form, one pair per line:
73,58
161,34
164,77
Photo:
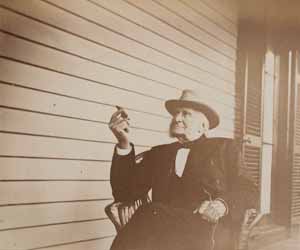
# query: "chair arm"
112,212
121,212
251,218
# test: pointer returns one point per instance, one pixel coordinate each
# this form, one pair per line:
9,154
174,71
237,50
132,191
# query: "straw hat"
190,99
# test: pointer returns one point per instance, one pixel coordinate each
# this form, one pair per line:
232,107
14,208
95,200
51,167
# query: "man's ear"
205,126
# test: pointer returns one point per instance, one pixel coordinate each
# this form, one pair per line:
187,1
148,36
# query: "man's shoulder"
213,142
220,139
155,152
209,141
162,147
230,144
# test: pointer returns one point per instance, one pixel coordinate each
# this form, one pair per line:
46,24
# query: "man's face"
188,124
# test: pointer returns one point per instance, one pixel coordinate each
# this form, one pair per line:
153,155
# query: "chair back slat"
120,213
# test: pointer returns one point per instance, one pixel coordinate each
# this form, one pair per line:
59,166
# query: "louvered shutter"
295,178
258,131
252,114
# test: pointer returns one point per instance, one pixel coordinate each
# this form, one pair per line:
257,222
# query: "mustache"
175,123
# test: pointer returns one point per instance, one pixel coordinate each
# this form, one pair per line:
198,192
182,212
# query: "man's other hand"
119,125
211,211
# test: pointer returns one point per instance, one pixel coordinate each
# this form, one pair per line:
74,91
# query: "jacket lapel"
200,153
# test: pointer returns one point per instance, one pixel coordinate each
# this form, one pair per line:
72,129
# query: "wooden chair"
120,213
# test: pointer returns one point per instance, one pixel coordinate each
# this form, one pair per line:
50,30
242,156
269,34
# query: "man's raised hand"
119,125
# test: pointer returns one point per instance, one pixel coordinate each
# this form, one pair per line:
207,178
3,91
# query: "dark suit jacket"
211,171
213,165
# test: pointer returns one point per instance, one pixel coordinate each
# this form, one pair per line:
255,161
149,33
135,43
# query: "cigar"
123,114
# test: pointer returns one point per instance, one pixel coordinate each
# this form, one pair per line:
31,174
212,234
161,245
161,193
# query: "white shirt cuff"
121,151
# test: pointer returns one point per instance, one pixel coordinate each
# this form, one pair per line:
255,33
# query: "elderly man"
190,181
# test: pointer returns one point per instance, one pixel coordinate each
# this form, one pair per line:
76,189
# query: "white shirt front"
180,161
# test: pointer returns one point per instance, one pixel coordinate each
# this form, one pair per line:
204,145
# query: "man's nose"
178,117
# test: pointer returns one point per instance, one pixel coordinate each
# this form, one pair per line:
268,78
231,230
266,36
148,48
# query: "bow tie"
189,144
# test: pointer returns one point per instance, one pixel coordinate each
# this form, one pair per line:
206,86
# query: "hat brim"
211,114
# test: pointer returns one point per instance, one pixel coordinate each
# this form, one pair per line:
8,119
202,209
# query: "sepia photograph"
149,125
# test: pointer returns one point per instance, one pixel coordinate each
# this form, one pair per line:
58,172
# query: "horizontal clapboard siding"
32,215
172,14
93,244
52,191
55,234
54,126
64,65
226,8
41,146
213,14
13,168
96,35
58,61
222,40
175,40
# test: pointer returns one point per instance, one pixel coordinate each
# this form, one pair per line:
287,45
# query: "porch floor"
289,244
